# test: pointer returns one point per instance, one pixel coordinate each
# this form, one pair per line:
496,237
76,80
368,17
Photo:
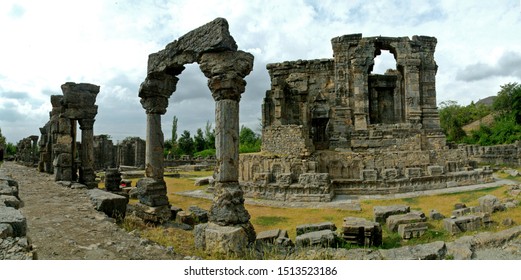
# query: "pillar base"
157,215
224,240
228,205
152,192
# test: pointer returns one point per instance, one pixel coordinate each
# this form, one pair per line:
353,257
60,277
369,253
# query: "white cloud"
47,43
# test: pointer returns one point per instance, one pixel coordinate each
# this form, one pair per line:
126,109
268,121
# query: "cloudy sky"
47,43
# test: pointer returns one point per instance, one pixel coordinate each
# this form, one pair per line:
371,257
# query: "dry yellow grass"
265,218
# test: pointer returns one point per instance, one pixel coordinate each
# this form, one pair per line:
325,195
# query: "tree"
508,102
199,142
186,143
209,135
174,130
249,141
451,120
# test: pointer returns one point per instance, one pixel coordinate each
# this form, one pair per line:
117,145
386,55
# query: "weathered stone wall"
285,140
104,152
27,151
509,154
131,152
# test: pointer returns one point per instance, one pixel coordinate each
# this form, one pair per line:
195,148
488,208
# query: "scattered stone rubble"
14,244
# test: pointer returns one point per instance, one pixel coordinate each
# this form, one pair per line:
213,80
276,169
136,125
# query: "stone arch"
215,50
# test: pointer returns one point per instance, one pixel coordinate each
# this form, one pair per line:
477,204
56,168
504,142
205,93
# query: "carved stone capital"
86,124
155,104
225,72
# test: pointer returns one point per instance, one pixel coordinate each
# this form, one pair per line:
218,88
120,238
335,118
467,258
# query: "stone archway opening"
385,86
214,49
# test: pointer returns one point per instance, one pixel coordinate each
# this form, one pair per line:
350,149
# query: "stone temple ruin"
215,50
330,127
59,152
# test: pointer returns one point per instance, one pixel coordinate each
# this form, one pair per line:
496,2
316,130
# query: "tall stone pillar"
153,203
87,174
229,228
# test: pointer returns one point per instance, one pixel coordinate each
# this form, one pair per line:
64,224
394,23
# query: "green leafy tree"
451,120
186,143
209,135
508,102
199,142
174,130
249,141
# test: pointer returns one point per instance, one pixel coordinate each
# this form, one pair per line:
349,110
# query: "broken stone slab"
175,210
274,236
394,221
435,215
203,181
462,224
459,206
302,229
113,205
461,248
15,219
185,217
78,186
490,204
322,238
512,172
382,212
430,251
10,201
496,239
412,230
361,232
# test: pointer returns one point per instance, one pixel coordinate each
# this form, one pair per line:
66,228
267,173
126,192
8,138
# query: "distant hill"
486,120
487,100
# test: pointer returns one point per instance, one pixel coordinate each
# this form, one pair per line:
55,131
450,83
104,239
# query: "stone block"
284,179
369,175
323,238
185,217
461,212
224,240
158,215
390,174
462,224
112,179
459,206
413,172
394,221
412,230
200,215
151,192
361,232
274,236
435,215
111,204
382,212
435,170
8,189
174,210
490,204
6,230
15,219
203,181
302,229
430,251
10,201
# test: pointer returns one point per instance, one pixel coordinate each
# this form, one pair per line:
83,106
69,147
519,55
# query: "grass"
266,218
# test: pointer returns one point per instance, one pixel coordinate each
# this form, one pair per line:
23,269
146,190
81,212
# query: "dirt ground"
63,224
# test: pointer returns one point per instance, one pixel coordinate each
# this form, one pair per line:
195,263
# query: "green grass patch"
269,220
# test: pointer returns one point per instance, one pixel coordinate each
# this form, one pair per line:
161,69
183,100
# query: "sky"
47,43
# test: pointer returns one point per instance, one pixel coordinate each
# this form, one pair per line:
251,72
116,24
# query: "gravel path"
62,223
